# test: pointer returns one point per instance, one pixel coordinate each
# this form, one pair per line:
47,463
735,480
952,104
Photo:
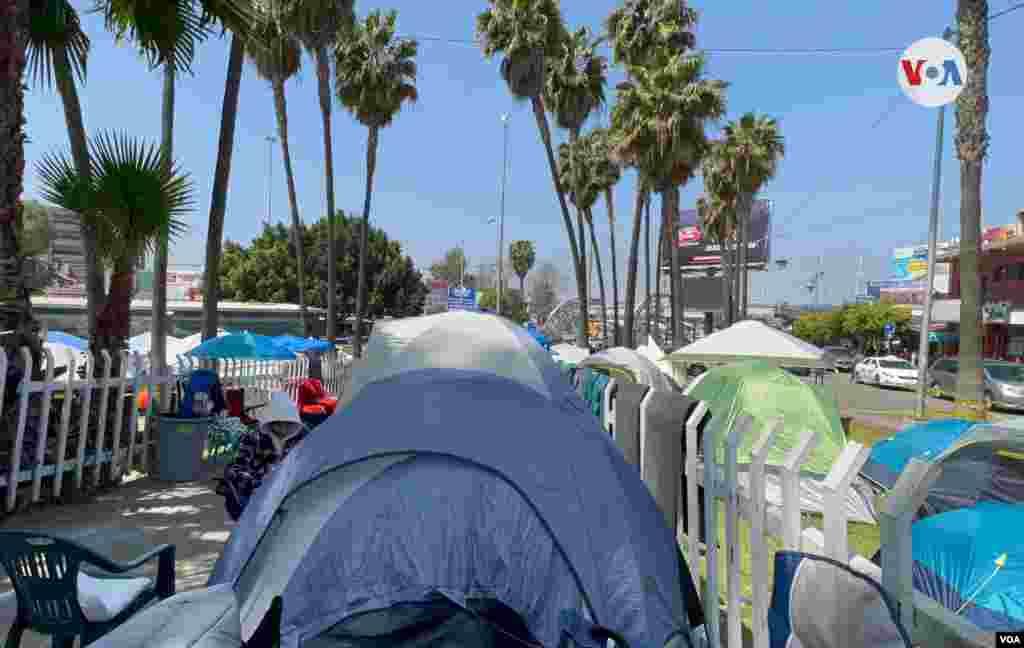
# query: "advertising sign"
910,262
695,251
932,72
438,297
462,299
992,235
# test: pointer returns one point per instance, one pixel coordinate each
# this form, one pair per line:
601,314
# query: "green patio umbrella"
765,392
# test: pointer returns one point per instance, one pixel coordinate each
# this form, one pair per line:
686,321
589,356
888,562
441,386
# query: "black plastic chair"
44,570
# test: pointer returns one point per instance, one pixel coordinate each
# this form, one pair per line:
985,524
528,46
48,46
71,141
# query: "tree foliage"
512,304
523,257
36,229
862,323
452,267
264,270
543,290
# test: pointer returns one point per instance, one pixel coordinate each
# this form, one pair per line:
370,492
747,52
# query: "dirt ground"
188,515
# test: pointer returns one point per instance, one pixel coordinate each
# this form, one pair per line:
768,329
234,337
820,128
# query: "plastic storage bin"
182,441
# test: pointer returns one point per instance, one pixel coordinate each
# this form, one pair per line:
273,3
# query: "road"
868,399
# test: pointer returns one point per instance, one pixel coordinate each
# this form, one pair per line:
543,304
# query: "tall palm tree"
167,34
661,113
277,56
751,150
527,33
717,214
375,75
132,196
15,302
523,256
58,52
319,24
575,166
971,148
573,88
606,173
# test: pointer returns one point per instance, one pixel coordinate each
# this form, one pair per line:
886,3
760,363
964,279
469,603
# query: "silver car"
1004,382
842,357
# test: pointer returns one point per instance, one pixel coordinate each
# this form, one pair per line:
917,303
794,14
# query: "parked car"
1004,382
887,371
842,358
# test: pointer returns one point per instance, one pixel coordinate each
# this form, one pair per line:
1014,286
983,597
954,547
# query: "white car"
888,371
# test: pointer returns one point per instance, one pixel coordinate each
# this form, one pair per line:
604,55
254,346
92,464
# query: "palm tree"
132,196
606,173
319,24
167,34
527,33
750,151
58,52
277,55
523,257
16,319
576,170
717,214
375,75
971,148
661,114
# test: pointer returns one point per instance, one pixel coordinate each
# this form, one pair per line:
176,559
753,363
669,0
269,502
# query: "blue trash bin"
182,442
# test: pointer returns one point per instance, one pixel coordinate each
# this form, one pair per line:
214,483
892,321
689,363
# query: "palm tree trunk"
581,284
95,290
631,269
726,284
574,136
371,166
647,263
744,253
158,349
972,144
219,197
323,71
281,108
672,214
616,335
659,261
114,323
600,278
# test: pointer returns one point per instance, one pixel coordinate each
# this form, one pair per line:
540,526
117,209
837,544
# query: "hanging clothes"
595,393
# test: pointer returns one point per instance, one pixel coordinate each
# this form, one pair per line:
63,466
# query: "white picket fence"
723,490
50,402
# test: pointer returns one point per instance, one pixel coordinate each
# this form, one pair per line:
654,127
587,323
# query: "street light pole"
501,214
462,275
270,173
933,226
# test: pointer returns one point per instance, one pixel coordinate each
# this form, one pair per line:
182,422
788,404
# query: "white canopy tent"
752,340
569,353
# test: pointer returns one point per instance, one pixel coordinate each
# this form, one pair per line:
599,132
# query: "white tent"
453,340
653,352
143,344
569,353
752,340
196,339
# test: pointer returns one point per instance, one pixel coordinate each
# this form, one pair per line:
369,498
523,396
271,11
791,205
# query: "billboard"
437,299
462,299
695,251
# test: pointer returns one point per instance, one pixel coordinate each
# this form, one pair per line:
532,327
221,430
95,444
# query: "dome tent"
641,369
439,490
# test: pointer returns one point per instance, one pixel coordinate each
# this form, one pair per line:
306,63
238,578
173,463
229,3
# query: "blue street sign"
890,330
462,299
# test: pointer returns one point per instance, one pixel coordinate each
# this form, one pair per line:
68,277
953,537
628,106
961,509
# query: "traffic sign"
890,330
462,299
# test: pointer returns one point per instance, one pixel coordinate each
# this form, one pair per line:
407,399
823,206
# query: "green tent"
765,392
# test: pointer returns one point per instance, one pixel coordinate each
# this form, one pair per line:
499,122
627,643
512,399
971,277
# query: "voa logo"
932,72
1010,638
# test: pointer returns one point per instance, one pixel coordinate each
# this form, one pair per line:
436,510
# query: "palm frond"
526,33
275,52
53,25
319,23
575,80
651,32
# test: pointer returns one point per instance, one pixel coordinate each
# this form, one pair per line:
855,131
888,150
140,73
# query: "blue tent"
955,562
68,340
302,345
453,502
923,440
241,346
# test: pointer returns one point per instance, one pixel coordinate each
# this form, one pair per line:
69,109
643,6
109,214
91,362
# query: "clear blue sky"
845,189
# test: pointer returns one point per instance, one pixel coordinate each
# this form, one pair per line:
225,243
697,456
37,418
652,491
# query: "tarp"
303,345
456,340
643,371
974,555
241,346
569,353
765,392
752,340
68,340
823,603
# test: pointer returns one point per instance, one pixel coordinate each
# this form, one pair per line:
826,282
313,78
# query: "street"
868,399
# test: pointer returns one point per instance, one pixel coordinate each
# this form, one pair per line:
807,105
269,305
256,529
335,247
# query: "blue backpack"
202,381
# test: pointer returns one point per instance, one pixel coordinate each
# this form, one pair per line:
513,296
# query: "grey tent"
445,505
640,368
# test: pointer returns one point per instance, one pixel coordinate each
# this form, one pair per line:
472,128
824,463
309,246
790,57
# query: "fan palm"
277,56
645,32
319,24
573,88
527,33
605,174
575,167
660,115
971,149
375,75
750,151
131,197
717,214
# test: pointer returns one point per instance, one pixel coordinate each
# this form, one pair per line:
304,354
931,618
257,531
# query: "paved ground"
189,515
868,399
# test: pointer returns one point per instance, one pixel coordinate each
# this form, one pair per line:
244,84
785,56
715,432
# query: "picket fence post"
712,482
791,524
46,389
692,507
758,547
836,486
65,420
101,428
740,429
83,420
115,442
19,436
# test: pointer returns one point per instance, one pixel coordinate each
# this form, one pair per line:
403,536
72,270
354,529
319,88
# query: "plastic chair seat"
102,599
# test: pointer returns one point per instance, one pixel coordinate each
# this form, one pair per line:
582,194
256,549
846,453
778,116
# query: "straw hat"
280,409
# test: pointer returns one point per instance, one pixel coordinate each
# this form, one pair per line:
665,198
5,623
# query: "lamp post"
933,226
501,213
270,172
